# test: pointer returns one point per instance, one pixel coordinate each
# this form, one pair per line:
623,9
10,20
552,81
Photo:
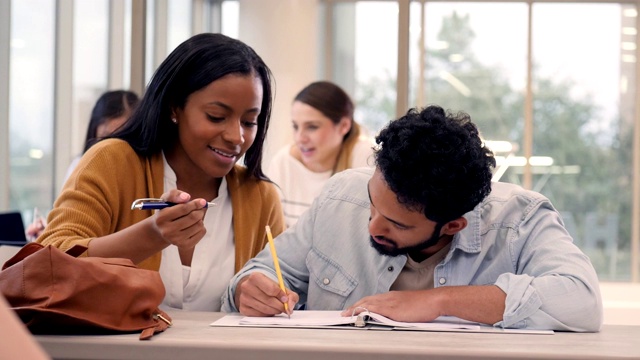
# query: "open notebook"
312,319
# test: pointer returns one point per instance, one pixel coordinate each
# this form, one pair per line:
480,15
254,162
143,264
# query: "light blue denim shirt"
515,239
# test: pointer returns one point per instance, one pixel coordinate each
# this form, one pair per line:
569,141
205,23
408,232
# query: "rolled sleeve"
549,302
522,300
554,285
516,240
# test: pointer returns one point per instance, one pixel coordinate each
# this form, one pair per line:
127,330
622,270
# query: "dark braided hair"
435,162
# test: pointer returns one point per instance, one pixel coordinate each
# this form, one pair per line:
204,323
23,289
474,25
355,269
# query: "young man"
427,234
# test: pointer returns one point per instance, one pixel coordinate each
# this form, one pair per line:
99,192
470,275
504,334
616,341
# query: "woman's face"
218,124
110,125
317,138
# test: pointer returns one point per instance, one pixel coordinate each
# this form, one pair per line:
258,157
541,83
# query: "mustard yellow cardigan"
96,201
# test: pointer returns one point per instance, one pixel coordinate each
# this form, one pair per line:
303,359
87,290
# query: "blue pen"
157,204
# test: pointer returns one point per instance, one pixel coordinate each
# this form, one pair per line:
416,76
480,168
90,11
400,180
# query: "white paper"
312,318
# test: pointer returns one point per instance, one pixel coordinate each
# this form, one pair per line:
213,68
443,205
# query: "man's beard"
397,251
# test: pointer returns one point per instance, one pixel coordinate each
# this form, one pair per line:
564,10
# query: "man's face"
394,229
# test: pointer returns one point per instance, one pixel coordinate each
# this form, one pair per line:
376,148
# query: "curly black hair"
435,162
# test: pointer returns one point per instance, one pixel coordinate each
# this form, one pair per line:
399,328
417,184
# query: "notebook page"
301,318
440,323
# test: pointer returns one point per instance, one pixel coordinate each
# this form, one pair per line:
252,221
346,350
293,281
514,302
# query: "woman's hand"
180,225
35,229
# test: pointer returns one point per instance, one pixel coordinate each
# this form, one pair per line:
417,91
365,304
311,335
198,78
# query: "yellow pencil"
276,263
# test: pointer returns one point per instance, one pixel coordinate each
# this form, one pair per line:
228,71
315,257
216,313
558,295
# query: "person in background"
425,234
36,227
207,105
110,112
327,140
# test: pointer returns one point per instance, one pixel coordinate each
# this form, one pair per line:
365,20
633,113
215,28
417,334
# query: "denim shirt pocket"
331,282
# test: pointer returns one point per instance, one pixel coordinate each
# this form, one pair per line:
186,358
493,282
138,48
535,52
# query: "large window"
31,105
470,64
362,66
90,70
551,86
582,121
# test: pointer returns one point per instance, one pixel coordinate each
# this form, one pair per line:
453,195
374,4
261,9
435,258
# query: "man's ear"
454,226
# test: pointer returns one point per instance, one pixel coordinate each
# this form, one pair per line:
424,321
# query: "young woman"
110,112
327,140
207,106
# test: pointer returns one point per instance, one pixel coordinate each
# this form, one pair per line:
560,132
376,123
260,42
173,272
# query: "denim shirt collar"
468,239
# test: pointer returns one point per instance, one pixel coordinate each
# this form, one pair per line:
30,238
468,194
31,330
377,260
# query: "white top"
200,286
72,167
299,186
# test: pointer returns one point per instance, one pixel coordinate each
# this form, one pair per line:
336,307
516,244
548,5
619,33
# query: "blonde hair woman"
327,140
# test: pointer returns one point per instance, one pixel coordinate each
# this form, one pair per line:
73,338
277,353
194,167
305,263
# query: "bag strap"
162,323
33,247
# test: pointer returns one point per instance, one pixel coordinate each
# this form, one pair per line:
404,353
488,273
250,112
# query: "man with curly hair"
424,234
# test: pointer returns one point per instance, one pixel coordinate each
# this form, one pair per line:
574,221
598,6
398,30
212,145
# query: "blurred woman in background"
110,112
327,140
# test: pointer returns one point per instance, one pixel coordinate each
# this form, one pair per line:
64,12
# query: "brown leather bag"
55,292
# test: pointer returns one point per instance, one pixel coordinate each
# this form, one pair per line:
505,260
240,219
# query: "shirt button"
442,281
326,281
390,268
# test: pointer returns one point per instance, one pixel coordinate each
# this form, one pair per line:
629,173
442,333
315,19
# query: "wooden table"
191,337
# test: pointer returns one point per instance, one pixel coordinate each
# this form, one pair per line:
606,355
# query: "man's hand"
483,303
257,295
407,306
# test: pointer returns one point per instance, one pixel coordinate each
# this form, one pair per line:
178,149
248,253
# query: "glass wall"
366,70
582,121
90,60
178,23
229,22
31,105
472,65
566,131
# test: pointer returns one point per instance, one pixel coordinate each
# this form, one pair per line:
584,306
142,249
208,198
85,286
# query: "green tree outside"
590,179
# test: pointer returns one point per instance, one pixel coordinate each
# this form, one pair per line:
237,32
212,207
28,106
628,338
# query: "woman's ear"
454,226
345,125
